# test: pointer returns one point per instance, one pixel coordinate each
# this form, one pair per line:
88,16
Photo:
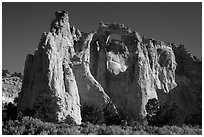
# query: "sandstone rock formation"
49,85
70,69
130,70
188,93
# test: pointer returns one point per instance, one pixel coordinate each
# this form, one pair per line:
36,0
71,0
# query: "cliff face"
70,69
49,85
188,93
130,69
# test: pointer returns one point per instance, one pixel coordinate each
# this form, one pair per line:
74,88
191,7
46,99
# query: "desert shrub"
9,112
192,130
104,114
170,114
102,130
194,119
119,130
46,107
176,130
69,120
116,130
169,130
166,114
65,129
16,74
33,126
16,100
89,128
11,127
111,116
92,114
5,73
152,106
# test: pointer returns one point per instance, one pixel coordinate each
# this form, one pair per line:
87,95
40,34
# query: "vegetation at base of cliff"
169,113
27,125
104,114
33,126
102,120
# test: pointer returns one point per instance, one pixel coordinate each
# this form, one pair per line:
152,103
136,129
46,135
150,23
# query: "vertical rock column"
49,87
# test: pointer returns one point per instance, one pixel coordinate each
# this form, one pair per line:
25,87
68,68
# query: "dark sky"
24,23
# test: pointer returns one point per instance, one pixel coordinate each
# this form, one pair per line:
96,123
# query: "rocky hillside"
113,64
11,86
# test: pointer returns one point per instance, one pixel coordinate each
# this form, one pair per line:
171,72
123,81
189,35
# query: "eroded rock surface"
70,69
49,85
131,69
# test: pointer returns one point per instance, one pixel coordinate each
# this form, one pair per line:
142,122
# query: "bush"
92,114
104,114
16,74
5,73
152,106
45,107
33,126
111,116
194,119
166,114
89,128
9,112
